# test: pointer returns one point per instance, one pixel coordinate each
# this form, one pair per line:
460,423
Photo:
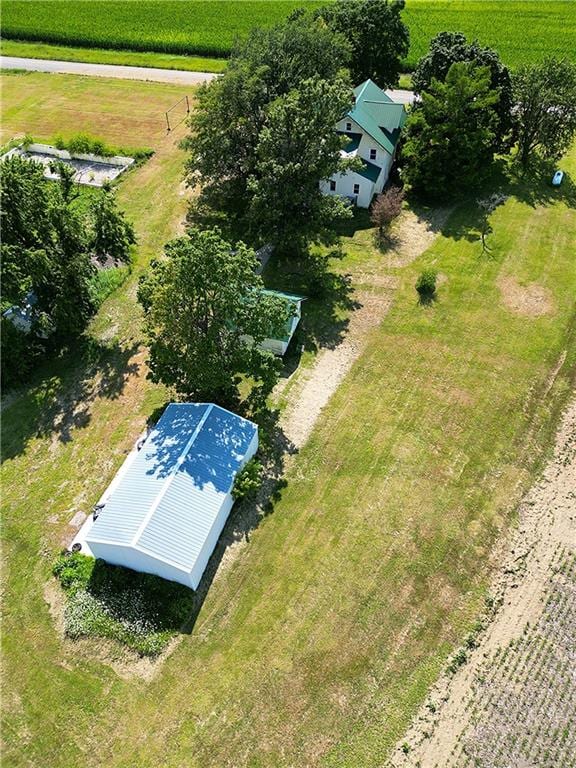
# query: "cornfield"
521,30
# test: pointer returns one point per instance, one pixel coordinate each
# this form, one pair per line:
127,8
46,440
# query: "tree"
205,315
378,37
112,234
386,208
426,285
486,207
44,248
449,144
448,48
297,147
231,110
545,109
46,259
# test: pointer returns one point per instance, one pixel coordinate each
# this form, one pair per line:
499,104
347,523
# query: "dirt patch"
532,300
470,715
414,233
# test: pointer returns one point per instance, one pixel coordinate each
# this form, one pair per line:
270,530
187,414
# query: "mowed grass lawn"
320,637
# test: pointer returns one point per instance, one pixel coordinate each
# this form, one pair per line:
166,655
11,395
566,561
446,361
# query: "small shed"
167,506
279,345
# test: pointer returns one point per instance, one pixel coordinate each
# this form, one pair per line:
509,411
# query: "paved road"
401,96
176,76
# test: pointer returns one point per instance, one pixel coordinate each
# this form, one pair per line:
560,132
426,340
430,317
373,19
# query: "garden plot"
91,170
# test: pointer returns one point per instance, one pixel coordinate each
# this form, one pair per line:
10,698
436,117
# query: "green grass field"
110,56
521,30
317,642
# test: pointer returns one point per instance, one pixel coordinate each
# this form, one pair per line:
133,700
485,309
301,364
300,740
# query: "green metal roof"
354,141
376,113
369,170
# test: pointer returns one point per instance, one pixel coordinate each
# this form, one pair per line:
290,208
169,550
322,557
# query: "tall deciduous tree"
448,48
46,258
44,248
377,35
545,106
231,111
112,233
297,147
205,315
450,136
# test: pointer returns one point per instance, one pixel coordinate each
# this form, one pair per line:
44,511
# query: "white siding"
345,187
140,561
345,182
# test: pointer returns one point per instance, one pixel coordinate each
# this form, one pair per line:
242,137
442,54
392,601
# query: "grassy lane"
106,56
317,642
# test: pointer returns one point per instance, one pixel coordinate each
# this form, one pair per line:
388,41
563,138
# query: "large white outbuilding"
373,129
167,506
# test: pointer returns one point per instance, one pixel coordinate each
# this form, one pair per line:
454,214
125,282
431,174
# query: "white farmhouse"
373,128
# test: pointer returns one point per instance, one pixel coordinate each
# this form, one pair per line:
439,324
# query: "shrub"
247,480
426,283
73,571
80,144
386,208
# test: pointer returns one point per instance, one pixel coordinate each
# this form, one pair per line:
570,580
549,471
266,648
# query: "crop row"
522,706
522,30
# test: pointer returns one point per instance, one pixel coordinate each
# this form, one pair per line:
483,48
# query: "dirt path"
176,76
547,526
157,74
315,386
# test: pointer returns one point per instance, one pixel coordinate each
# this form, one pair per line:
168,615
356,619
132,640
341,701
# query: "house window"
372,154
356,189
348,126
332,186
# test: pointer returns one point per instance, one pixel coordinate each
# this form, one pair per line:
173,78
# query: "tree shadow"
247,514
328,294
532,187
137,600
359,221
427,299
59,398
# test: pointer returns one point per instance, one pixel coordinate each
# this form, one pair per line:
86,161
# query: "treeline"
52,242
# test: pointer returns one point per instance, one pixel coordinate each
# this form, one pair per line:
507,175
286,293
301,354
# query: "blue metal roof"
167,500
